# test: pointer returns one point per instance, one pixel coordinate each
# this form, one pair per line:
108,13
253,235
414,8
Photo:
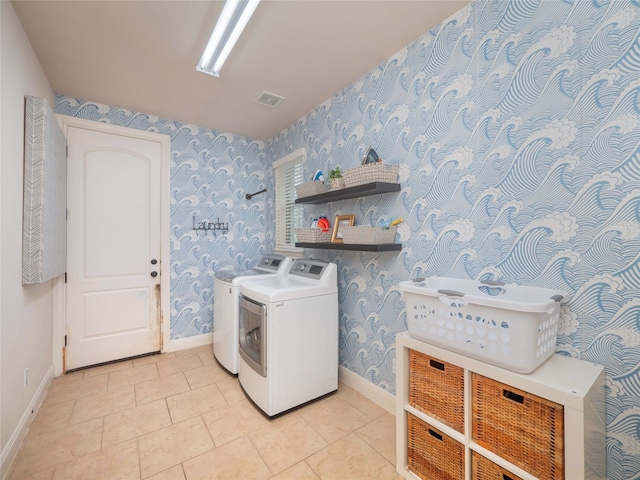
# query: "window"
289,216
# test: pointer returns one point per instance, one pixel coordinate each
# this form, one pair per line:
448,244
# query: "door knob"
154,274
154,261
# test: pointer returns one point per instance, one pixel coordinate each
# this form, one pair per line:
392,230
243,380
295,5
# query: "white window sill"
293,253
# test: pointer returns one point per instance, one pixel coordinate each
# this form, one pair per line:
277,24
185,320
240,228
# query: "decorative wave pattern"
516,126
210,174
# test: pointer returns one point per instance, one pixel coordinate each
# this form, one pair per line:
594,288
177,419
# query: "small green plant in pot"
335,176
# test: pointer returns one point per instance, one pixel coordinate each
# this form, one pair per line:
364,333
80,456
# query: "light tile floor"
181,416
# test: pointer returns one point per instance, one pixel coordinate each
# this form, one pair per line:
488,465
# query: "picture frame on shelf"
341,221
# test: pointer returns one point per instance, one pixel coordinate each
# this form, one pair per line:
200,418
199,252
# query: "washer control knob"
302,267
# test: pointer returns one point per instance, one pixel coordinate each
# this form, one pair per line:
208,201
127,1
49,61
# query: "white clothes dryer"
288,336
226,286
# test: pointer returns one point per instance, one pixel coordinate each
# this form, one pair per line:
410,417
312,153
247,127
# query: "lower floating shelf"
384,247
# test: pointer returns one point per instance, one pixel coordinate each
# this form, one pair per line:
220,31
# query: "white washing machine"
288,336
226,287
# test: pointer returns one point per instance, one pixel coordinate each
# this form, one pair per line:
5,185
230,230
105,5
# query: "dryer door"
252,341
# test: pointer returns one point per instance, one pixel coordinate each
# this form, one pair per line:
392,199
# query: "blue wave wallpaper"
516,128
210,174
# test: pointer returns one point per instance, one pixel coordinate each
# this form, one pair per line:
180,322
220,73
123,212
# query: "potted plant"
335,177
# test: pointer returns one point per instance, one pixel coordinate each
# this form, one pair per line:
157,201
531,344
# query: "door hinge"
65,277
65,340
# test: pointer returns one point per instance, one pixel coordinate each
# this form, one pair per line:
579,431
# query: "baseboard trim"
189,342
377,395
13,445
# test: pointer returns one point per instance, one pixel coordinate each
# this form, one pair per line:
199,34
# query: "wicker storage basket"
312,235
371,172
483,469
524,429
362,235
308,189
431,454
336,183
437,389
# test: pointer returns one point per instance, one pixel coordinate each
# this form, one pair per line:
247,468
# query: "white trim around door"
59,303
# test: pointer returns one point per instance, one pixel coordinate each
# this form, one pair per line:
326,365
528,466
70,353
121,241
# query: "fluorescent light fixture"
234,17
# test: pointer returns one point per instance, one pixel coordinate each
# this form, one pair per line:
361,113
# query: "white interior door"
113,281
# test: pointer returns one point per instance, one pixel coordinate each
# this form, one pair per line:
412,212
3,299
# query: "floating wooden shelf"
367,189
351,192
385,247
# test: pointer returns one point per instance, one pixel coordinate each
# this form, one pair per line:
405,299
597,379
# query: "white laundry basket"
508,325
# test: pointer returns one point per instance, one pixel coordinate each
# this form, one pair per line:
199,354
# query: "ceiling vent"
269,99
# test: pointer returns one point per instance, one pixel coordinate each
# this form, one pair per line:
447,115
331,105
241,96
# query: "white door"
113,281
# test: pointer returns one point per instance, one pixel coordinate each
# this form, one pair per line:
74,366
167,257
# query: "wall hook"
249,195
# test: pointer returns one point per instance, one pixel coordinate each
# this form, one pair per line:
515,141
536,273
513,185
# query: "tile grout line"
231,393
258,452
139,459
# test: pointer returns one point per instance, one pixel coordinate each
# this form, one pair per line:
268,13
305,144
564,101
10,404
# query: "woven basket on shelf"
437,389
337,183
371,172
483,469
312,235
524,429
364,235
308,189
431,454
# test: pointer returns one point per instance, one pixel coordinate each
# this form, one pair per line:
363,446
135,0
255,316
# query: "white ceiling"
141,55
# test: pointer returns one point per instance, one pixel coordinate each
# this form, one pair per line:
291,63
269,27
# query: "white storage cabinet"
575,389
